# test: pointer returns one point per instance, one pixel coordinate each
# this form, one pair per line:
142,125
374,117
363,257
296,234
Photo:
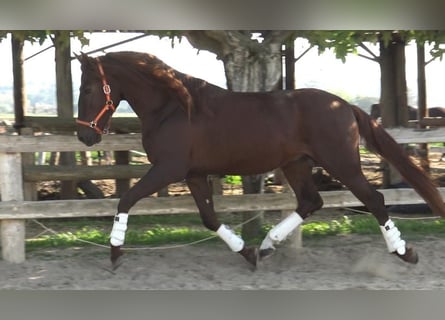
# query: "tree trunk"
393,84
64,94
289,66
19,82
254,71
393,99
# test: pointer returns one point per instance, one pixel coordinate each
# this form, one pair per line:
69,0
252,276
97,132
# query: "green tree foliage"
348,42
39,36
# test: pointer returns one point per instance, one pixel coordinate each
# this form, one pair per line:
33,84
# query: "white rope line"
75,237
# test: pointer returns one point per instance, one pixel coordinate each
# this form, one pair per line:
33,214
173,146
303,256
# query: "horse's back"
272,128
321,110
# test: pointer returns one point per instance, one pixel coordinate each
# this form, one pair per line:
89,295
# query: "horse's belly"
259,148
245,162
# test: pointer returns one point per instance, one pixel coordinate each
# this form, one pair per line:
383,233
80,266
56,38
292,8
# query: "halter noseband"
109,105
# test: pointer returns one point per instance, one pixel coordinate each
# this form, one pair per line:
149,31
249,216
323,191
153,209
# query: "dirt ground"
331,263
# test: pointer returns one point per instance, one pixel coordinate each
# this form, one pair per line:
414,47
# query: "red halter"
109,105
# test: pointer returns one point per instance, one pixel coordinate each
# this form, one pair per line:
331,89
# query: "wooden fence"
14,210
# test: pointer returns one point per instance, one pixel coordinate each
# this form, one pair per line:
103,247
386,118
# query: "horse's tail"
381,142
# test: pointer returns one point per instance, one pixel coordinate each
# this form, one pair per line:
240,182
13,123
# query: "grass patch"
363,150
367,225
159,232
346,225
233,180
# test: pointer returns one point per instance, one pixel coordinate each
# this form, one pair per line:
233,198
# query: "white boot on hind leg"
395,243
392,238
279,233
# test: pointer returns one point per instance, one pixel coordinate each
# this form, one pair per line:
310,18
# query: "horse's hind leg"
348,171
202,193
299,176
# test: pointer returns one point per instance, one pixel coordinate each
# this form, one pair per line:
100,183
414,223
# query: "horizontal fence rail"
185,204
68,143
124,142
69,125
406,135
33,173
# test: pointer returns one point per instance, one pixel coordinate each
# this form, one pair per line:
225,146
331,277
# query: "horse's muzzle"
89,139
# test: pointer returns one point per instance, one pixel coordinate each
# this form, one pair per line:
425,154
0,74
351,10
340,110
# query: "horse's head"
95,104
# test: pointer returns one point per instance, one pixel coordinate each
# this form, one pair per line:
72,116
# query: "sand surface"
337,262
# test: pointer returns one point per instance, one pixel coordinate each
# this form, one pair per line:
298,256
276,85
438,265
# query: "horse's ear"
83,57
78,57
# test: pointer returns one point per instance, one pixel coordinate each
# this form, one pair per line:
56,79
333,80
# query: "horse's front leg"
202,193
158,177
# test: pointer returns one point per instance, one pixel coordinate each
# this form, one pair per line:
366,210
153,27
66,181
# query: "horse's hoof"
266,253
116,257
117,263
251,256
409,256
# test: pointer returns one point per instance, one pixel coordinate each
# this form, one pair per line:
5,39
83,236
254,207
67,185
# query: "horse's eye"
86,91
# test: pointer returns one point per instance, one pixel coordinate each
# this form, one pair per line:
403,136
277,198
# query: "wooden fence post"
28,159
12,232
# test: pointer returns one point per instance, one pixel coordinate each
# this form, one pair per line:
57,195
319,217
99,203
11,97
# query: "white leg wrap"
234,242
392,238
117,236
281,230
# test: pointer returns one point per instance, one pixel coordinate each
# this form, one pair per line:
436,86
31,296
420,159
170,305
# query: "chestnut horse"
191,129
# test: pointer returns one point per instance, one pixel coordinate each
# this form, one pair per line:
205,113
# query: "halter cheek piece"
109,105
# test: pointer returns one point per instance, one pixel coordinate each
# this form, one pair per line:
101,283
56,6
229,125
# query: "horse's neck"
144,102
200,89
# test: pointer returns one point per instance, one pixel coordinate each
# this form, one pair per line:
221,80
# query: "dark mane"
164,74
